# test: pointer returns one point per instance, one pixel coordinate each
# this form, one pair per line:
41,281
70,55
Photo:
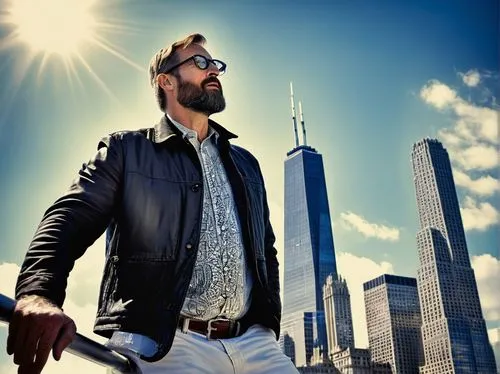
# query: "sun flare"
67,31
53,26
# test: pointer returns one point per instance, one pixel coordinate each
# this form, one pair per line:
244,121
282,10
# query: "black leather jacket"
146,188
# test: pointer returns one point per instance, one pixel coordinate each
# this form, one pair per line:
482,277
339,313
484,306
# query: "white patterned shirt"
221,281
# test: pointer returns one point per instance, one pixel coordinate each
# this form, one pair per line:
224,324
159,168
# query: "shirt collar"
190,133
164,130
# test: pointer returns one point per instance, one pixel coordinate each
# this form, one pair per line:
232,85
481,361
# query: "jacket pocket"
139,285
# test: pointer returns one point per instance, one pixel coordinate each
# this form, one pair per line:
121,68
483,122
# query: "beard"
200,100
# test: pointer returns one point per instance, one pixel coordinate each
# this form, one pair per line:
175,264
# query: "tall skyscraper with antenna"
453,329
309,255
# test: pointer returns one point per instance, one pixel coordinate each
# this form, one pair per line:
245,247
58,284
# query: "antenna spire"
293,116
301,114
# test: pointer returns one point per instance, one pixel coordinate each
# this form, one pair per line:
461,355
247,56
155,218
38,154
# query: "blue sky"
373,78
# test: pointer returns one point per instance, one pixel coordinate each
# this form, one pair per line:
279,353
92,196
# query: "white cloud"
438,94
483,186
369,229
356,271
494,335
473,123
9,276
85,279
487,271
476,157
473,140
471,78
478,216
472,143
482,120
451,139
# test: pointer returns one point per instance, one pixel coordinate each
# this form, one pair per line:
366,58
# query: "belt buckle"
211,328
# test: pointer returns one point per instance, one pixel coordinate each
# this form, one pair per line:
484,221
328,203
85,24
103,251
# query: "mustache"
210,80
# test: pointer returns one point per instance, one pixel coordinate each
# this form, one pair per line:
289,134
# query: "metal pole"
81,346
294,118
301,113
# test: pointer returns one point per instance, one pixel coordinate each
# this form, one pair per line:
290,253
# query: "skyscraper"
393,321
338,316
308,254
454,333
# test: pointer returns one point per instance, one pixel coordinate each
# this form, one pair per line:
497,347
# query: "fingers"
66,336
28,369
44,346
37,327
13,333
26,348
19,343
11,339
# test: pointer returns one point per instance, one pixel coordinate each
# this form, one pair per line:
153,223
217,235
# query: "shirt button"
189,246
196,187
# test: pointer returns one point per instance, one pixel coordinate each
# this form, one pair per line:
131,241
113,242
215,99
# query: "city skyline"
372,79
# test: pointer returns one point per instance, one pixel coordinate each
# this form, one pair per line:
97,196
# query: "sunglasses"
201,63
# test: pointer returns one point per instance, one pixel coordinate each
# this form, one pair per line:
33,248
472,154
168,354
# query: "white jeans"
254,352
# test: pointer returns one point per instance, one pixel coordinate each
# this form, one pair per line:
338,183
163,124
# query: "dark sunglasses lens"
201,62
220,65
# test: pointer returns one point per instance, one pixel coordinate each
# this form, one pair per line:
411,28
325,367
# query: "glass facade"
393,321
454,333
309,253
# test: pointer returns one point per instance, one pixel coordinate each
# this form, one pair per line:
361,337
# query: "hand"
38,326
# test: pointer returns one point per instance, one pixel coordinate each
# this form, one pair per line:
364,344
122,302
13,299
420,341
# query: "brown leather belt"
218,328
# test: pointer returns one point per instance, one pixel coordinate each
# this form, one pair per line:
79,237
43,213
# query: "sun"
64,31
53,26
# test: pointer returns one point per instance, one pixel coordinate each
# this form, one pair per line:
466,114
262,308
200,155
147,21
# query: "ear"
165,81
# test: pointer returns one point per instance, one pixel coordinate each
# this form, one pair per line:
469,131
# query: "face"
199,90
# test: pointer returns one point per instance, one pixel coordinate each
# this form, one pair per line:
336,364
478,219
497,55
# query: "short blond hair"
164,59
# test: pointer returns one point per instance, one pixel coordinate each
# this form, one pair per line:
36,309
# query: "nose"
212,69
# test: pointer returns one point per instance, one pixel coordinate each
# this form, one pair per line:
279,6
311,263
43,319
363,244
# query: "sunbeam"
50,31
99,81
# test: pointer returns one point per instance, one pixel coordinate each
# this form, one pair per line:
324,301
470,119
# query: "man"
191,278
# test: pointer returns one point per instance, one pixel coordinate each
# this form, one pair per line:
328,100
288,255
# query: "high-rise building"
454,334
350,360
338,316
357,361
309,254
393,322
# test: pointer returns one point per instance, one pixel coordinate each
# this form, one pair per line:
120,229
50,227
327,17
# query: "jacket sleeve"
72,224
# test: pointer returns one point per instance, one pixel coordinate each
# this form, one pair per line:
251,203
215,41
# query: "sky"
373,79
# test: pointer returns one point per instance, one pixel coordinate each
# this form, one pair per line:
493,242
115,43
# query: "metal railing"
81,346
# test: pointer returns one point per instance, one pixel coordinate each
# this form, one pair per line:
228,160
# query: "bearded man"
191,280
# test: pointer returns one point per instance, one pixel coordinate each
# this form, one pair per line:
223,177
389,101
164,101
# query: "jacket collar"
165,129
